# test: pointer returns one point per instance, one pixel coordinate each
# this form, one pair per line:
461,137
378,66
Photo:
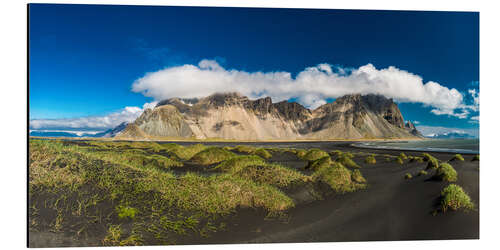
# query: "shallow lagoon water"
462,146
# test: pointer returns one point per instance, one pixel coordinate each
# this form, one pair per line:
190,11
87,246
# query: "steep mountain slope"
114,131
233,116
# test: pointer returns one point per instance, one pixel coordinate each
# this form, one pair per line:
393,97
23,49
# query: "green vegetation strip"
457,157
128,192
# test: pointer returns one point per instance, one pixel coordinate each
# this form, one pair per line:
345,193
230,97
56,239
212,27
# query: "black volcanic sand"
391,208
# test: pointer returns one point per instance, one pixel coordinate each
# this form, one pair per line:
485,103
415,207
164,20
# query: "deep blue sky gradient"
84,58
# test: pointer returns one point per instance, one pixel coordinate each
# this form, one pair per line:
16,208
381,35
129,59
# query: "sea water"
462,146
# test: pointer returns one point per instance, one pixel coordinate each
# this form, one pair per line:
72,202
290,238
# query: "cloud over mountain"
311,87
126,114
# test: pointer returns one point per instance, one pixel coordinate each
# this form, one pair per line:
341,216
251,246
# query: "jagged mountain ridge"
234,116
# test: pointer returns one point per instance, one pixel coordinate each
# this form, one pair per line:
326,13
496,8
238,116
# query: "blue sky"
86,59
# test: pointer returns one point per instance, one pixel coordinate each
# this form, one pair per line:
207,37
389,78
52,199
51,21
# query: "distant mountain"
114,131
233,116
451,135
412,129
63,133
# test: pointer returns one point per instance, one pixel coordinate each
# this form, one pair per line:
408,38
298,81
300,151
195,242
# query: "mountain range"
234,116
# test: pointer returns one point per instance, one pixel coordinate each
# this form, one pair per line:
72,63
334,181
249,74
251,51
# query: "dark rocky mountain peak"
409,125
235,116
361,104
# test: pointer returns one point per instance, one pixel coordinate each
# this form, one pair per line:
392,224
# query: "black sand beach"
391,208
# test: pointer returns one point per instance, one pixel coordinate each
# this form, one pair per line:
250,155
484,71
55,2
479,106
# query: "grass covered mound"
399,160
254,168
137,158
416,159
356,176
347,161
244,149
319,163
314,154
422,172
186,153
338,177
432,162
211,155
300,153
370,160
475,158
132,194
239,162
75,190
457,157
263,153
453,197
272,174
446,172
336,153
403,156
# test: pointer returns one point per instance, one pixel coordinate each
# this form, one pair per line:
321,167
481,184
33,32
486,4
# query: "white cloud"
311,87
416,122
475,97
112,120
474,119
149,105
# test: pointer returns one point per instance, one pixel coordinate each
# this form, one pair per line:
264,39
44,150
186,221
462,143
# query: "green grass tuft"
446,172
370,160
408,176
403,156
357,176
422,172
319,163
244,149
186,153
126,212
457,157
300,153
263,153
348,154
454,197
336,153
272,174
314,154
347,161
416,159
337,177
399,160
238,163
211,155
432,162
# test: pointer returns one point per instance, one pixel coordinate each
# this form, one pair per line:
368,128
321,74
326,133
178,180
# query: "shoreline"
225,140
351,143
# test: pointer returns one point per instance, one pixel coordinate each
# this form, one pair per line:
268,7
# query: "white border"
13,115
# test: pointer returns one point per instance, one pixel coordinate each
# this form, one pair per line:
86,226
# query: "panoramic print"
157,125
